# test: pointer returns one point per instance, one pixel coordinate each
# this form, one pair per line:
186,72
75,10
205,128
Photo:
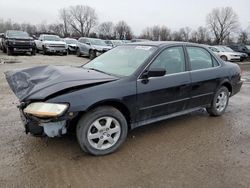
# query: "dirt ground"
194,150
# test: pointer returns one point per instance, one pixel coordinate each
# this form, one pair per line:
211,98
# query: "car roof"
163,43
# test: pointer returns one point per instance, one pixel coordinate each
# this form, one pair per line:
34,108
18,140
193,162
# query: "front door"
160,96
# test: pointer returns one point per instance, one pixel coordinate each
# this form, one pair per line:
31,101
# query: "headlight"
11,41
45,110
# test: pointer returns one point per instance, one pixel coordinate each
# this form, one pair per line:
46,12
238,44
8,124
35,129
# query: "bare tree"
165,33
123,30
201,35
65,17
243,37
82,19
147,34
106,30
156,33
56,28
185,33
222,22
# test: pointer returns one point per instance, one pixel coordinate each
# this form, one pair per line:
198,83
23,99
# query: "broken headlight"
45,110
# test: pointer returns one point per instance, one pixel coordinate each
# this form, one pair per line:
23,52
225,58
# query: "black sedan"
127,87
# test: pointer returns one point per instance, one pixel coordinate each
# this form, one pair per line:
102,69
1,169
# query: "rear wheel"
92,54
224,58
219,103
102,130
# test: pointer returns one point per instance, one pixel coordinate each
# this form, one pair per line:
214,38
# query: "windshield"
122,60
117,42
97,42
17,34
248,47
52,38
213,49
70,41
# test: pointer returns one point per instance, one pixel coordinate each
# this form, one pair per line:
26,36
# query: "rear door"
160,96
205,75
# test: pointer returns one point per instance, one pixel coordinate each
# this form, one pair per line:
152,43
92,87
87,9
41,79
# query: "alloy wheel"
104,133
221,101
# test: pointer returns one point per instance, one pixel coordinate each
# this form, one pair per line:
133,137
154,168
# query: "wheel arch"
227,84
119,105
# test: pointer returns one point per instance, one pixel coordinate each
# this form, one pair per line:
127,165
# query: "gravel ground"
193,150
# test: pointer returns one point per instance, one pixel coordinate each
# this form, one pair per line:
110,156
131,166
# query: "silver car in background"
91,47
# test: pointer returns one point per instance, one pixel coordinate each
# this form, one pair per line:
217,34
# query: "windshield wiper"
97,70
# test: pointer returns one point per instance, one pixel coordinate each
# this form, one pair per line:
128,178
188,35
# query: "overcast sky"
137,13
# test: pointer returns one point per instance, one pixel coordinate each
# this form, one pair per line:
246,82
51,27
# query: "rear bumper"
236,87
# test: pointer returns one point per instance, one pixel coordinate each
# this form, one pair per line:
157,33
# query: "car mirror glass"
154,72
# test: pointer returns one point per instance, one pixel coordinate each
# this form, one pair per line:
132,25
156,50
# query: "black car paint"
19,44
146,100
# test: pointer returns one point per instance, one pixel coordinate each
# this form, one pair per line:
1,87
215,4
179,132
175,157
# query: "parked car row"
226,53
13,41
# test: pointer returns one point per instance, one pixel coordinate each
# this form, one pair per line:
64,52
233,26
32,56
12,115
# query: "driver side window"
172,60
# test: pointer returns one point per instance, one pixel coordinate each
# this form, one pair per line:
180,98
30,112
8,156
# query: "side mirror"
154,72
41,39
2,35
88,43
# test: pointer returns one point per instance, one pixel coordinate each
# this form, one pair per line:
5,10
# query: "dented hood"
43,81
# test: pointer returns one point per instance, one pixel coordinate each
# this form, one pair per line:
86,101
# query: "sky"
137,13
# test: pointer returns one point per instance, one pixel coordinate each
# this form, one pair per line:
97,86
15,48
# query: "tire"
78,52
8,51
65,53
105,126
4,49
224,58
92,54
44,51
33,52
219,103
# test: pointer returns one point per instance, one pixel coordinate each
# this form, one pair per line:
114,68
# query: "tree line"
222,26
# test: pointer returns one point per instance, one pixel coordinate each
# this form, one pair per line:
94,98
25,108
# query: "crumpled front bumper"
45,127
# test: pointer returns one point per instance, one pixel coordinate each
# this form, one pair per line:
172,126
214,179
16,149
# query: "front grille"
57,46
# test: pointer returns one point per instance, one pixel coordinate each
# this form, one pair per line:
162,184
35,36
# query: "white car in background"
224,54
243,56
51,44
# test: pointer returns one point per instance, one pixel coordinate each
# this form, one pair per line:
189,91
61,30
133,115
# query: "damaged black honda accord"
127,87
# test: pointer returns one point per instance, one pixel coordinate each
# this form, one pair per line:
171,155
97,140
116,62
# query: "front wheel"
219,103
78,52
44,51
224,58
102,130
92,54
33,52
9,51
